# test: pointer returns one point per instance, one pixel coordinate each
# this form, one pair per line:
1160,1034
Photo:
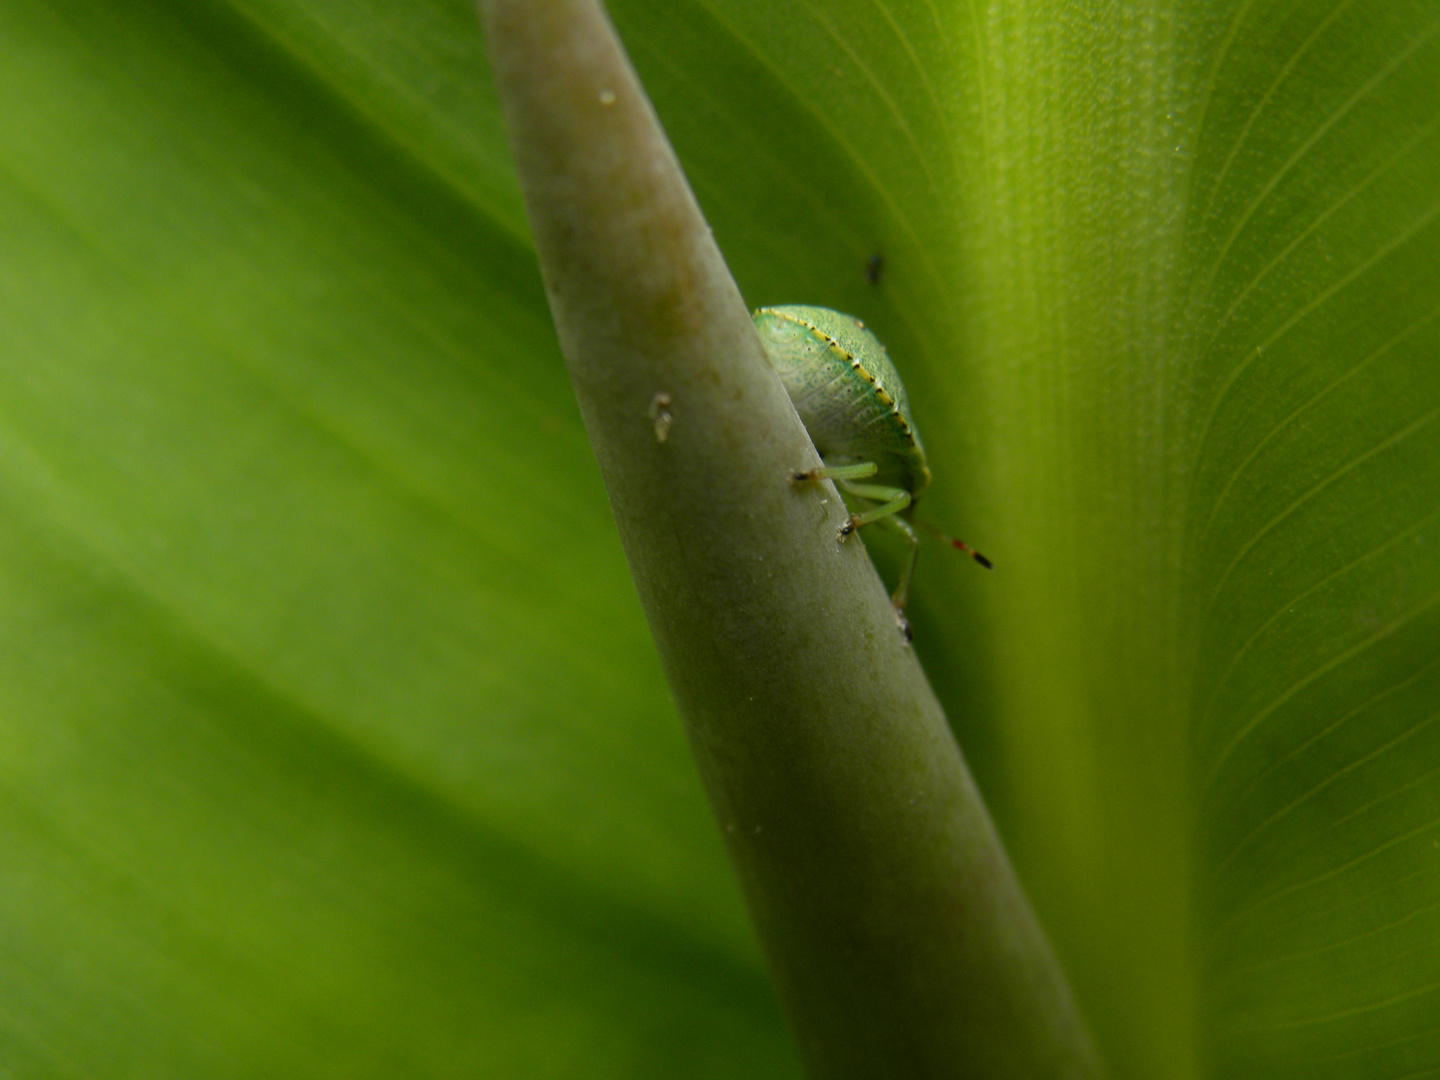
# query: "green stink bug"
853,405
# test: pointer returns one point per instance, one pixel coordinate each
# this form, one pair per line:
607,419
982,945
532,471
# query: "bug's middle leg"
885,504
889,502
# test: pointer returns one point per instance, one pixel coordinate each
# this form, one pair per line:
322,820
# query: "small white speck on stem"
659,414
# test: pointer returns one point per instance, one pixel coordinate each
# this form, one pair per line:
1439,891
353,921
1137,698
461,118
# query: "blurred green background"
332,742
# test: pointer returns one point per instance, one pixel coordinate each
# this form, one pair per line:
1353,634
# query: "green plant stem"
898,935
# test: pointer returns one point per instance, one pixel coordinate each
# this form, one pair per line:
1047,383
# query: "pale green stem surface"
899,938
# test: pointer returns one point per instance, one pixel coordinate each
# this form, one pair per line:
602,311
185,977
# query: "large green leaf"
333,739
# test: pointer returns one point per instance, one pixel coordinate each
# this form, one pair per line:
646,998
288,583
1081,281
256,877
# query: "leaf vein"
1333,778
1243,971
1335,661
1325,875
1368,702
1310,230
860,161
1387,443
1250,355
1364,91
1379,351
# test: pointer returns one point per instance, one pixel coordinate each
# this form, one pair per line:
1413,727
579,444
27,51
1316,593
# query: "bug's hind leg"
891,503
901,595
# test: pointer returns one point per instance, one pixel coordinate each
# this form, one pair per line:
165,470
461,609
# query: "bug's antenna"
959,545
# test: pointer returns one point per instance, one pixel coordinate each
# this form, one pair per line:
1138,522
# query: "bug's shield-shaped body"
853,405
846,391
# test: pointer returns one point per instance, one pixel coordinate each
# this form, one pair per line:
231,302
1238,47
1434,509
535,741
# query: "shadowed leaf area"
332,739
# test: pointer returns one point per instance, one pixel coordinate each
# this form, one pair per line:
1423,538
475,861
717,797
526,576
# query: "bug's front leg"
835,472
